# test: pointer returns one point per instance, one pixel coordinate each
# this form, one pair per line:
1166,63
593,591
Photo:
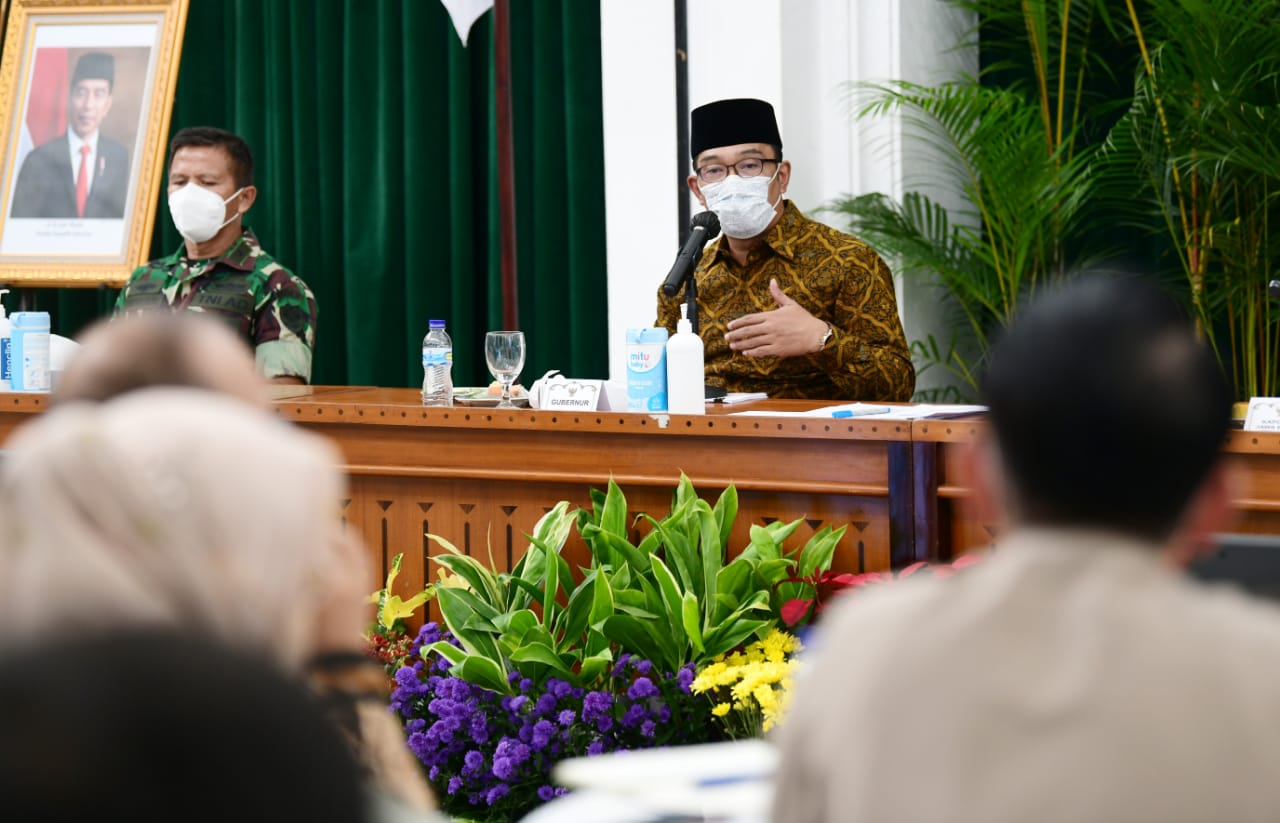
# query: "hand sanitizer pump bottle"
685,369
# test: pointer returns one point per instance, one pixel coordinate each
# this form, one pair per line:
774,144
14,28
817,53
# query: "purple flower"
542,732
545,793
546,704
560,688
642,688
473,762
595,704
634,716
479,728
567,718
508,757
455,783
647,728
595,747
497,793
684,678
644,666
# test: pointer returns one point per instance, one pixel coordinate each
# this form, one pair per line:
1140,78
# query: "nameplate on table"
1263,415
572,395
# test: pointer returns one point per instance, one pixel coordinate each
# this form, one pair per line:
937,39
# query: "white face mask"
198,212
742,204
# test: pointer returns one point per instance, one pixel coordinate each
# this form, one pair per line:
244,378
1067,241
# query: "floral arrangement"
657,642
748,689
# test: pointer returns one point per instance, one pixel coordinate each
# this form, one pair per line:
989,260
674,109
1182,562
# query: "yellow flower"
749,688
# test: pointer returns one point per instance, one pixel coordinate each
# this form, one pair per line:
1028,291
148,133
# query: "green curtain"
373,131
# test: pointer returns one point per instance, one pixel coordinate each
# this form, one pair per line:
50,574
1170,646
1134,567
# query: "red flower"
827,585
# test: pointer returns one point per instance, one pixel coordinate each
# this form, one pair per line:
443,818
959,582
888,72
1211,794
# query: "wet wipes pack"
29,351
647,370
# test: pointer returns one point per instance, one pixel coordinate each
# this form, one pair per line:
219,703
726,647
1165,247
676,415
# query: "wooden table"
483,477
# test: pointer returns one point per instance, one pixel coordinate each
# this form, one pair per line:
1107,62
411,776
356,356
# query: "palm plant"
1013,149
1201,136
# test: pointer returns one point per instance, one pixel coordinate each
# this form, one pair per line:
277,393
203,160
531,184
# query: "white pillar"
637,55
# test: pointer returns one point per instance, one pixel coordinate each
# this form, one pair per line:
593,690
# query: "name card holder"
1263,415
563,394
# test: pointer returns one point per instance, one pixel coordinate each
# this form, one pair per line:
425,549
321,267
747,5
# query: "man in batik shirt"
221,270
786,305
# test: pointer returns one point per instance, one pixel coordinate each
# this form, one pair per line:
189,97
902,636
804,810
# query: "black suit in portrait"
46,184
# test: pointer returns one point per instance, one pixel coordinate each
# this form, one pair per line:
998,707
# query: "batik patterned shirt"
267,305
836,278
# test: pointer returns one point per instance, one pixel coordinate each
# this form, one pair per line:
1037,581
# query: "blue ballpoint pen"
860,411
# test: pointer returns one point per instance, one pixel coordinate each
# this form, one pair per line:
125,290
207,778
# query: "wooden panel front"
482,478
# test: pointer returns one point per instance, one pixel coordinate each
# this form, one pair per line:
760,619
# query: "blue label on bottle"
6,369
437,358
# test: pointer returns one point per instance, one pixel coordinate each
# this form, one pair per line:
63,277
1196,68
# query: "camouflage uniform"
835,277
267,305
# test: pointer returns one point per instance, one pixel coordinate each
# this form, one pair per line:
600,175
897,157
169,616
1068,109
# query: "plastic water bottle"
437,366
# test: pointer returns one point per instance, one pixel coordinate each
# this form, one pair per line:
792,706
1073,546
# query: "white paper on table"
871,410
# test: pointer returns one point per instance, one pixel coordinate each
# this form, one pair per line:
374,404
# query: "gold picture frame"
94,80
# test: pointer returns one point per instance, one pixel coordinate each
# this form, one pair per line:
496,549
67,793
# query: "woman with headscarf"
185,508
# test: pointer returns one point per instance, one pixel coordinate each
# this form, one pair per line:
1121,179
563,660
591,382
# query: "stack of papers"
878,411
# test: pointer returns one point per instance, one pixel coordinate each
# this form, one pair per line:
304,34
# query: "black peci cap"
95,66
730,122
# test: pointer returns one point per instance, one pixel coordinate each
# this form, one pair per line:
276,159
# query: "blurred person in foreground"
182,508
147,725
122,355
1077,674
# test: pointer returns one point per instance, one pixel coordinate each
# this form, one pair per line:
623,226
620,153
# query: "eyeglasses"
750,167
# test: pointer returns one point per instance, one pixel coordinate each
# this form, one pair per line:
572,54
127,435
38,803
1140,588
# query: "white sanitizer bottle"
685,378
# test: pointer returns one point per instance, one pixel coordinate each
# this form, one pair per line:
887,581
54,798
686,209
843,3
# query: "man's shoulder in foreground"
1046,682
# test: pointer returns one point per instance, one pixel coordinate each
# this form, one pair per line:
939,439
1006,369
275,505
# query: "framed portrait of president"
86,91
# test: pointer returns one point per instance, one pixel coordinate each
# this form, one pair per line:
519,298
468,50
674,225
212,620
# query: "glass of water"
504,352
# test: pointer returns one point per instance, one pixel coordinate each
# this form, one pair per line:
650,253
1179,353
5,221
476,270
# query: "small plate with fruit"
489,395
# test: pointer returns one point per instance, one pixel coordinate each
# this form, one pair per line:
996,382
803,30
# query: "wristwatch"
822,344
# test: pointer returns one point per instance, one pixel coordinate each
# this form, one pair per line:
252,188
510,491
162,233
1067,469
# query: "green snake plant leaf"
482,580
672,601
643,638
691,617
458,608
816,555
726,511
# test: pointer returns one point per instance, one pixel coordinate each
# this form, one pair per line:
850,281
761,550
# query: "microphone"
704,226
1273,289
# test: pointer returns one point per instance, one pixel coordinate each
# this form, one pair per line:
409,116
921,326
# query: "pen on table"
860,412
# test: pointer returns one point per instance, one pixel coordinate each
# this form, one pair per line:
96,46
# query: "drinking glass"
504,352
